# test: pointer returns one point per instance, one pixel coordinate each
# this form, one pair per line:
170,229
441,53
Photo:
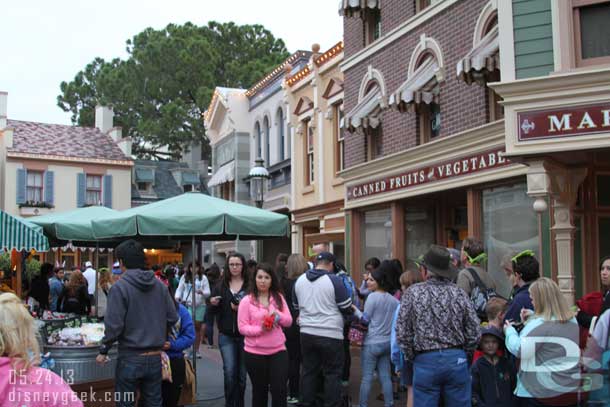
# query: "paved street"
210,384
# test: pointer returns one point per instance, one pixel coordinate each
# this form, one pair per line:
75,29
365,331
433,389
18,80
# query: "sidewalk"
210,388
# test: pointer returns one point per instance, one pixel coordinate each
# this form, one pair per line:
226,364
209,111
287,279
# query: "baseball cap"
88,264
326,256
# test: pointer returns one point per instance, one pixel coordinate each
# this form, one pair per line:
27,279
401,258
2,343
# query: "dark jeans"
293,345
209,326
442,374
138,373
171,391
268,373
321,356
234,367
347,363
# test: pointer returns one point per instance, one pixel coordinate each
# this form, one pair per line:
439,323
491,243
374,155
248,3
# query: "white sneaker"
198,355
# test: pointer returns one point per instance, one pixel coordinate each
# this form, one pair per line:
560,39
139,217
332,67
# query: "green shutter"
533,34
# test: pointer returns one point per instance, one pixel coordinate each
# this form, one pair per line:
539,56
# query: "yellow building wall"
330,188
65,185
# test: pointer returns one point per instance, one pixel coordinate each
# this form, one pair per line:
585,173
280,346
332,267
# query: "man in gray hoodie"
140,310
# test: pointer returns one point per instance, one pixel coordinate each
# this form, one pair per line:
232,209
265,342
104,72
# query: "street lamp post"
258,176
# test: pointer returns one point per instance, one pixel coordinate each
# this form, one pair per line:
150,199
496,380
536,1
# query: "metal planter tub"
76,364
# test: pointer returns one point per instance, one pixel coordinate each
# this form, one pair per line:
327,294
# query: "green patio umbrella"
73,225
19,234
192,215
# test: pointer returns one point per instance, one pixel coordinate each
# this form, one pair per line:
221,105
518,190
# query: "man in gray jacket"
140,310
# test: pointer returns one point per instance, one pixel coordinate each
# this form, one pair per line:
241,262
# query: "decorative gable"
305,104
335,86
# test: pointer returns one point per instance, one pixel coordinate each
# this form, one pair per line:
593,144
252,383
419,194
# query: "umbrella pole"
193,303
97,267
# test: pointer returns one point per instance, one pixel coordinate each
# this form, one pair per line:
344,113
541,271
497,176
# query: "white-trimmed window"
259,141
34,189
591,31
308,144
281,134
93,192
267,131
339,137
372,25
429,114
420,5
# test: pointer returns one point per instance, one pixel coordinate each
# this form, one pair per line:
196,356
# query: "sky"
46,42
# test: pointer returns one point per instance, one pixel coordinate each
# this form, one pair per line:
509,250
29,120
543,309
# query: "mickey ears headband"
524,253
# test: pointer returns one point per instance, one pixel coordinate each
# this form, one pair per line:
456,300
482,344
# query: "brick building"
423,153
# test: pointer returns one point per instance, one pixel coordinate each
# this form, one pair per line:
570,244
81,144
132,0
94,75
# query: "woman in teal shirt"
547,347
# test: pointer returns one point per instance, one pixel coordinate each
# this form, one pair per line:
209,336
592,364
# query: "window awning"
226,173
145,175
190,178
412,90
351,8
365,113
482,59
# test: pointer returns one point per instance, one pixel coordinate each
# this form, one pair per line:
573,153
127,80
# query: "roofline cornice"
59,158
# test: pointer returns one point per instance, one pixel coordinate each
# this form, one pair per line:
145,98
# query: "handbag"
188,394
356,333
166,368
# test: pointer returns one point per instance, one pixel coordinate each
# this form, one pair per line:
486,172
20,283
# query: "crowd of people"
435,328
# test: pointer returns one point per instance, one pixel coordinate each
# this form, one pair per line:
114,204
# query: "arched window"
267,140
281,134
373,132
429,113
258,136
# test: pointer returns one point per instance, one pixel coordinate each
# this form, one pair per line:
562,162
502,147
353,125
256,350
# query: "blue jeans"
234,367
139,372
445,373
376,356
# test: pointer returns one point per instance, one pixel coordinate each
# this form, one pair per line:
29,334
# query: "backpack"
347,282
480,294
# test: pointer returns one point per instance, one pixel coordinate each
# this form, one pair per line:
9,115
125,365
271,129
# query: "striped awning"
351,8
483,59
226,173
16,234
366,112
413,90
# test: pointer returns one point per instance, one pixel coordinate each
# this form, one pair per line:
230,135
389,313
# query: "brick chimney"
104,118
3,110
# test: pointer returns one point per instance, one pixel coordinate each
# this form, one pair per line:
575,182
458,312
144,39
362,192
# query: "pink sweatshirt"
250,322
35,388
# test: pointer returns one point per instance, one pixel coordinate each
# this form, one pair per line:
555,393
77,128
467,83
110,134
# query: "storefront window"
603,190
604,231
377,234
419,230
509,225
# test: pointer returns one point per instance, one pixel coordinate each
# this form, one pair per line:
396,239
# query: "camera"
237,297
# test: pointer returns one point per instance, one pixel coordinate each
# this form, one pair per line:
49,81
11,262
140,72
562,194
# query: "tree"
160,91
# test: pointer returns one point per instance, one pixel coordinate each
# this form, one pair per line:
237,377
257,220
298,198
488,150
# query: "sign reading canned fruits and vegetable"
449,169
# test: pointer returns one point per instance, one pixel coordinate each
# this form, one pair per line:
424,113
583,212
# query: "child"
495,309
493,376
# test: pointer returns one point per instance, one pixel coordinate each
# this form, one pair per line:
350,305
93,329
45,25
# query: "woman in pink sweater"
22,383
261,316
